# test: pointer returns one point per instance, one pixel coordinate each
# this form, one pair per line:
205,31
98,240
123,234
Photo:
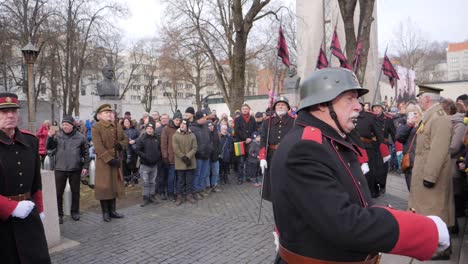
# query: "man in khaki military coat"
431,184
108,140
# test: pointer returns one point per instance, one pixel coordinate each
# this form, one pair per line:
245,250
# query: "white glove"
444,237
386,158
42,215
365,168
398,153
275,235
263,165
23,209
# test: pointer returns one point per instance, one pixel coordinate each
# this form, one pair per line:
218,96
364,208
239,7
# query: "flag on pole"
389,70
239,148
336,50
357,56
322,61
283,48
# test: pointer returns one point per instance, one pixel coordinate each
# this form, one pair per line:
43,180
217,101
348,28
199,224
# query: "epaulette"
27,132
312,134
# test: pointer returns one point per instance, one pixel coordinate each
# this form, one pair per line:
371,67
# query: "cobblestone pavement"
219,229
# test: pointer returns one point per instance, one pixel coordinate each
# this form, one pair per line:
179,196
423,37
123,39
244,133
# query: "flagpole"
268,133
331,53
357,58
378,80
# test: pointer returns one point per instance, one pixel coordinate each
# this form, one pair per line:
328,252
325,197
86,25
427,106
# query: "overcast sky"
438,19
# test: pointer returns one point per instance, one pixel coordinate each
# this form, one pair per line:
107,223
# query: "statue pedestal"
51,224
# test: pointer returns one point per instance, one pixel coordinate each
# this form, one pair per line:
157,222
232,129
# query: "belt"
19,197
368,140
293,258
273,147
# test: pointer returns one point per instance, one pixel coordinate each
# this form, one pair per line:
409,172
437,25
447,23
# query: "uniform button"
279,137
279,132
20,173
19,162
359,183
367,204
21,185
349,165
17,152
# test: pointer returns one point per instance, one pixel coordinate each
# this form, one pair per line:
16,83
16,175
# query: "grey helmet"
326,84
282,99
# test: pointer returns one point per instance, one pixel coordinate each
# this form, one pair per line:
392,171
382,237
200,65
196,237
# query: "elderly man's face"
347,108
106,116
281,108
245,110
8,118
164,119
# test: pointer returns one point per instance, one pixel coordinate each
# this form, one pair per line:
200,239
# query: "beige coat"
432,163
108,183
184,144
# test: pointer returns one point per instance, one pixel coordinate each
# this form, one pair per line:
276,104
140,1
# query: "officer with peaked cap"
273,128
22,237
317,184
109,140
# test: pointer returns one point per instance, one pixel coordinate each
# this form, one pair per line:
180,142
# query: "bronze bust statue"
107,88
292,81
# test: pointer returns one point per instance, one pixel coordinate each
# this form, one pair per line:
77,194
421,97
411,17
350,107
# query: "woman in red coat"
42,135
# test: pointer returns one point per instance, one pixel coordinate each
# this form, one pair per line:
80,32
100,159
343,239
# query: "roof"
454,47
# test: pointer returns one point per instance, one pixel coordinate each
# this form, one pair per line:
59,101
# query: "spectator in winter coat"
167,151
244,126
406,134
148,149
71,161
130,157
163,169
184,143
253,159
227,146
42,134
200,129
214,160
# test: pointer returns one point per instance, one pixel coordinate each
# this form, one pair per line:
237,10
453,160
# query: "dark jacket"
71,151
132,134
216,143
19,174
242,129
148,149
405,135
318,185
202,133
227,147
167,149
254,149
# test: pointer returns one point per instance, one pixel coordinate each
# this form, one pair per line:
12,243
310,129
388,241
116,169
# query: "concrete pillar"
51,225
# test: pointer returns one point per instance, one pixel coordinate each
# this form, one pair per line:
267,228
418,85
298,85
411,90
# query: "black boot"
112,212
105,210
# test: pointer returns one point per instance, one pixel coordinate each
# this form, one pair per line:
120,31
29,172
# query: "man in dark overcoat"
22,237
322,206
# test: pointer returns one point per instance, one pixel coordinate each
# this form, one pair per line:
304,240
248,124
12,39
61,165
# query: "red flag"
388,70
336,50
283,48
322,61
357,55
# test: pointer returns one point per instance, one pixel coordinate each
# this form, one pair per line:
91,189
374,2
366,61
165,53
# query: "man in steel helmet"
322,206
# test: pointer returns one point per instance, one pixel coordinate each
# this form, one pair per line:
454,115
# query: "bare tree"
148,71
366,8
411,45
223,28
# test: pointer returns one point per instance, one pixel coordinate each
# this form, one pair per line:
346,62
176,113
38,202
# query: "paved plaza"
219,229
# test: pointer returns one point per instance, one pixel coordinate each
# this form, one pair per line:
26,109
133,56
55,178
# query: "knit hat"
258,114
462,97
128,113
199,114
177,114
190,110
150,124
255,134
69,120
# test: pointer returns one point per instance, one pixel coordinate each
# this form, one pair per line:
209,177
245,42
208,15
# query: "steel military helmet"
282,99
326,84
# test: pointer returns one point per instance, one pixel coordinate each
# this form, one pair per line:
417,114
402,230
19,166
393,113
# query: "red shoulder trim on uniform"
312,134
418,236
6,207
37,197
27,132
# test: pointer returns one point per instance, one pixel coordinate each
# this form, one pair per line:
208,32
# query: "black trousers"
163,173
375,166
60,182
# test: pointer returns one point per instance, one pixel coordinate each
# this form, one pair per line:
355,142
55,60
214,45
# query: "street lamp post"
30,53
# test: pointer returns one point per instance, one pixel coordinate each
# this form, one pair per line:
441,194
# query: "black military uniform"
279,127
388,130
21,240
371,136
322,206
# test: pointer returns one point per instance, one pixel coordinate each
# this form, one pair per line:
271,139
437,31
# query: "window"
180,94
188,86
179,85
166,94
82,90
